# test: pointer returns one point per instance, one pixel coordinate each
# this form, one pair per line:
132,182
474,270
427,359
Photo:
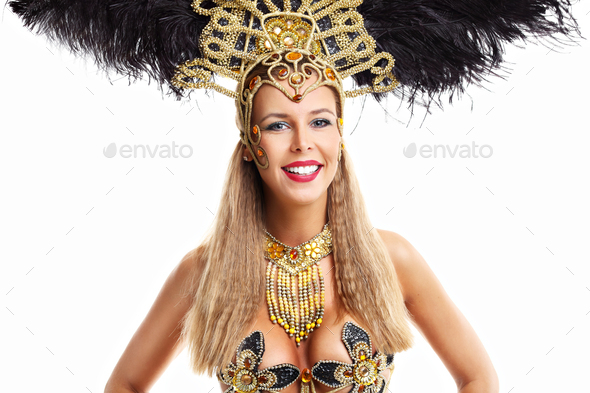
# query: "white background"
87,241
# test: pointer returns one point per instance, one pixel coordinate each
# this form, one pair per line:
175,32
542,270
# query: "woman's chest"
324,343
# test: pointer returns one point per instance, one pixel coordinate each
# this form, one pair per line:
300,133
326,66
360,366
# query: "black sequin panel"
364,374
244,376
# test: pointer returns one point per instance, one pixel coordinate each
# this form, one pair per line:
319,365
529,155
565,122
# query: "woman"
197,268
360,274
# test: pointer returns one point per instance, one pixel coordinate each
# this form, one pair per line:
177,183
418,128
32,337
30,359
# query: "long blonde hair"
231,285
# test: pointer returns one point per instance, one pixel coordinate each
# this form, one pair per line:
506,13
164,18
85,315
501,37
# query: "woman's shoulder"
409,265
400,250
188,271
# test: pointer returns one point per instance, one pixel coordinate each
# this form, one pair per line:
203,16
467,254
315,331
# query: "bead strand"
270,291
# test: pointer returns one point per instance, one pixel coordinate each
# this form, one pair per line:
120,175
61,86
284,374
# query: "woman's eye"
321,123
276,126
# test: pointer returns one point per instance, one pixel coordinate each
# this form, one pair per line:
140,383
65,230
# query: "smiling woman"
290,130
292,289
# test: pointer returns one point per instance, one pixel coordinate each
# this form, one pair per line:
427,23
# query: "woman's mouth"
302,170
302,173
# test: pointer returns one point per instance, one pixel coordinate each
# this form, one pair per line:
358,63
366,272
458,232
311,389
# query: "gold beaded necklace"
300,283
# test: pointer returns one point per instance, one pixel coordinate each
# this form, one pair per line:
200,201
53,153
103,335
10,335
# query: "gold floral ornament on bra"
365,372
244,376
299,308
325,40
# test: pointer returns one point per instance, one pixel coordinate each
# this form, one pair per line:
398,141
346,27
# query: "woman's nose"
301,138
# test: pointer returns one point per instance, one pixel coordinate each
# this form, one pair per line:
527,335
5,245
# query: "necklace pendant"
298,303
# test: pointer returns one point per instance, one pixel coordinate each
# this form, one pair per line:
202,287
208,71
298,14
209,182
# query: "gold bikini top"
364,374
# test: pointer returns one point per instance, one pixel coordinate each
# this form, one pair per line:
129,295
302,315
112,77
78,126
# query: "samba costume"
437,47
364,374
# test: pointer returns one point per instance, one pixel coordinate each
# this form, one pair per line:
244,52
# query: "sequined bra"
364,374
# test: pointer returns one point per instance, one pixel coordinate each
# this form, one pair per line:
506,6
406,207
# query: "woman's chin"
304,197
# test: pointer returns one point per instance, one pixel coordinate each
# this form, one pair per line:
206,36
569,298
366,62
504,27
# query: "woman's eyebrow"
285,115
317,111
279,115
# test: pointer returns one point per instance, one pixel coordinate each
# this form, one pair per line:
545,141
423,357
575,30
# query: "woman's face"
293,133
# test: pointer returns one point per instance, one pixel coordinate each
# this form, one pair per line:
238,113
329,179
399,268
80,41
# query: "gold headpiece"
326,39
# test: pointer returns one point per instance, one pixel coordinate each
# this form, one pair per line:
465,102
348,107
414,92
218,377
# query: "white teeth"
302,170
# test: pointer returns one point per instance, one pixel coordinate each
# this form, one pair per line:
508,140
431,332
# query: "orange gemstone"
312,57
348,373
247,363
246,379
254,82
275,56
297,97
293,254
230,373
308,71
293,56
255,130
260,153
262,379
378,362
361,388
330,74
306,375
341,121
283,72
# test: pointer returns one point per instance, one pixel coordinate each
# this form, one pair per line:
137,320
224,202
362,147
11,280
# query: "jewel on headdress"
283,72
255,129
254,82
330,74
293,56
296,79
297,97
260,153
288,39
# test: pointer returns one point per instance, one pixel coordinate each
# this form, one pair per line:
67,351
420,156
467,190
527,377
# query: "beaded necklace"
300,283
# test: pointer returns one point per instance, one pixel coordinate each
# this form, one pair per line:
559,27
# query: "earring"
245,158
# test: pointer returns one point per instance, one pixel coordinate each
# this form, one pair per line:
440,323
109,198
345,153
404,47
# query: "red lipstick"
302,163
302,178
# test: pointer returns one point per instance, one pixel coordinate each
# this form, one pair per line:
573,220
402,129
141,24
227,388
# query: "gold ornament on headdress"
299,308
326,39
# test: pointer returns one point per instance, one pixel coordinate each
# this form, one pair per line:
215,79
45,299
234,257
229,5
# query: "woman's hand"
439,320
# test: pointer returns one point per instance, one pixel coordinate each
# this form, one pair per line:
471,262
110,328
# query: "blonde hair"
227,295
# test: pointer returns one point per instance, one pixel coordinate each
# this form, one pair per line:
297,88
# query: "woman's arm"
155,343
439,320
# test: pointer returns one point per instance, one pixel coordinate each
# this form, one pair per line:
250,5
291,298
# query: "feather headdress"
438,45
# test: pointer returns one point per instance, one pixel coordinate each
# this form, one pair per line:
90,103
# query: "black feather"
439,46
133,37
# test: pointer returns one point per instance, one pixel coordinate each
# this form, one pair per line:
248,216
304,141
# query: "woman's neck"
294,224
